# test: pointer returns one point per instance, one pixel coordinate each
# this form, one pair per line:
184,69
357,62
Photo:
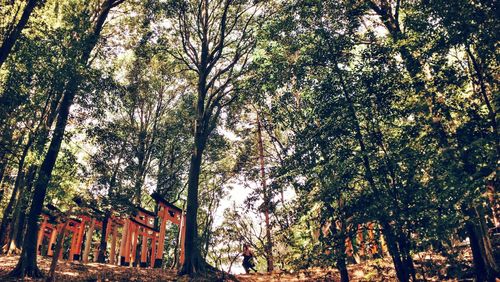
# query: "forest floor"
433,266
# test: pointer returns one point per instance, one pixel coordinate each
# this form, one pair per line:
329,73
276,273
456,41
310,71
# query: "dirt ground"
373,270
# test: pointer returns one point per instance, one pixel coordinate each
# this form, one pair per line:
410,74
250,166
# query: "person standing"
248,256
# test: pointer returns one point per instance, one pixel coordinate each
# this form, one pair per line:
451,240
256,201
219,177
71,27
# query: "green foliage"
373,113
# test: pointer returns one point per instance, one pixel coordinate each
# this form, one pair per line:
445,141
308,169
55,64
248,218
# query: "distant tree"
14,29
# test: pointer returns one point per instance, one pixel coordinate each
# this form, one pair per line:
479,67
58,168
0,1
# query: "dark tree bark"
402,271
103,244
13,35
483,258
26,202
341,265
340,237
38,138
267,199
193,260
13,246
19,216
27,265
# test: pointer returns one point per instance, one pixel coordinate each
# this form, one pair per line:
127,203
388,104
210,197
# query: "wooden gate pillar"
144,249
41,232
161,238
123,243
88,241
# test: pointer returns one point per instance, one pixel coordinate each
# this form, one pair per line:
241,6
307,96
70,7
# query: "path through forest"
372,270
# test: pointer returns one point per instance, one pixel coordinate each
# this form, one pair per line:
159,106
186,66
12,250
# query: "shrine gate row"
140,227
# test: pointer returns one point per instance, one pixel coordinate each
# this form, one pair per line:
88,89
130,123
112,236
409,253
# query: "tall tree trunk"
404,250
3,166
341,265
193,262
12,246
340,238
103,245
14,199
267,199
141,156
26,202
19,216
402,271
13,35
38,136
4,183
27,262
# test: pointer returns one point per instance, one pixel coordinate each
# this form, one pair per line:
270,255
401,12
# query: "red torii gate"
169,212
141,226
49,229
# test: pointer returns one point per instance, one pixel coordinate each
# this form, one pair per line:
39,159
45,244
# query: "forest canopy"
319,133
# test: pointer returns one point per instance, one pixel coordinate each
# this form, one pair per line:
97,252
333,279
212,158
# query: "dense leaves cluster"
357,129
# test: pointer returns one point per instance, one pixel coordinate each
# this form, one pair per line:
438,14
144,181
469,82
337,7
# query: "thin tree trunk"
340,249
4,184
28,192
3,166
19,216
140,172
176,251
103,245
11,38
205,237
12,246
341,265
14,199
88,241
267,199
401,271
58,248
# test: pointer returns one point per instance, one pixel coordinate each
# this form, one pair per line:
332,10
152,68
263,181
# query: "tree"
14,29
27,265
216,41
470,19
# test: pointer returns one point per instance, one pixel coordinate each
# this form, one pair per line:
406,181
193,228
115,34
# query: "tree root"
19,272
206,272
